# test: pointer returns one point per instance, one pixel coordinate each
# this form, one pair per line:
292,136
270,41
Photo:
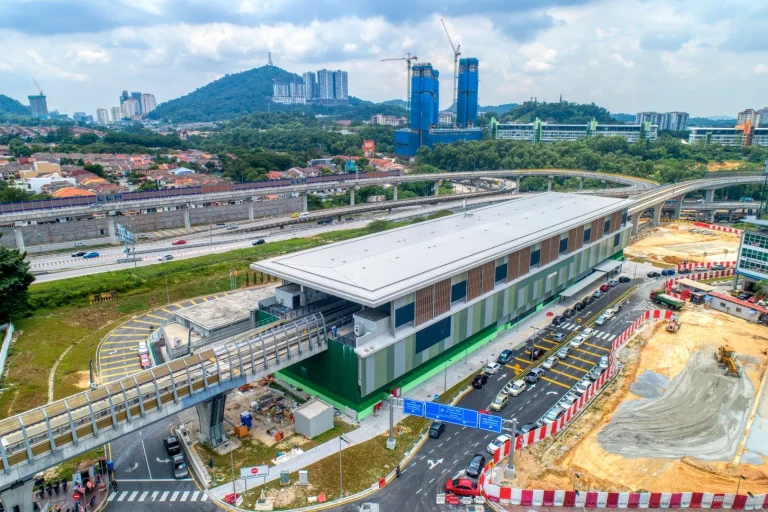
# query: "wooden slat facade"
442,297
424,306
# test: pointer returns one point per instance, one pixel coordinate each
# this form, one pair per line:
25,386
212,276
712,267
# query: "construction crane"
456,54
746,128
407,60
38,87
726,356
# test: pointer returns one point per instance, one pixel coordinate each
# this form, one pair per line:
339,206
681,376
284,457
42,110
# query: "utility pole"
391,442
511,462
533,340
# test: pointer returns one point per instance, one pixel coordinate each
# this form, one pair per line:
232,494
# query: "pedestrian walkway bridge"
43,437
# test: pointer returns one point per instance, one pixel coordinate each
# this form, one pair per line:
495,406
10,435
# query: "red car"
145,363
179,242
752,299
605,288
462,487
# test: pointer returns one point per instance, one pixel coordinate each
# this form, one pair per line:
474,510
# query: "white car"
700,268
143,349
515,388
492,368
496,444
567,401
587,333
601,320
582,386
604,362
609,312
553,415
577,341
549,363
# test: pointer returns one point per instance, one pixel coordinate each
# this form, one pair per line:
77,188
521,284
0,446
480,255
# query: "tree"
96,169
87,138
148,185
761,288
14,282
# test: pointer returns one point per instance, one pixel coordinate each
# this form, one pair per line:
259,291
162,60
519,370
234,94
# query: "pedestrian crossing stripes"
164,496
569,326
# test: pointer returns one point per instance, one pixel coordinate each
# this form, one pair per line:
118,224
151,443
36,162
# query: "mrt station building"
400,304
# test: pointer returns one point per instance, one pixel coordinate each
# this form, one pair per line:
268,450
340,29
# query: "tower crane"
407,60
38,87
456,54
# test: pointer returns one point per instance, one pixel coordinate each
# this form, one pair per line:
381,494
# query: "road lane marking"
122,496
154,494
597,347
127,372
133,495
155,316
587,352
112,496
555,382
174,496
167,311
143,322
566,375
612,337
582,360
194,496
143,495
184,496
571,366
204,498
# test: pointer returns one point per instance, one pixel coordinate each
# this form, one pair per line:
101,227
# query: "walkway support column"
187,222
19,240
18,497
678,207
394,194
710,196
304,202
711,216
112,229
635,223
657,214
250,210
581,183
549,183
211,416
437,188
352,196
517,185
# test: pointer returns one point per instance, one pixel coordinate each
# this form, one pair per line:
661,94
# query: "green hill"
250,91
11,106
559,112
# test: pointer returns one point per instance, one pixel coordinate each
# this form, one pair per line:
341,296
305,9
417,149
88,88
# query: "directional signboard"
125,235
490,423
413,407
450,414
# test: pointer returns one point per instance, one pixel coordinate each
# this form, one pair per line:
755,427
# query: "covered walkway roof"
576,288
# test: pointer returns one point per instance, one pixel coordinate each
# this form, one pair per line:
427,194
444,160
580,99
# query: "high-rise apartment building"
124,96
324,85
117,114
38,105
466,103
310,85
763,117
340,85
388,120
751,115
102,116
425,96
148,103
130,108
137,96
675,121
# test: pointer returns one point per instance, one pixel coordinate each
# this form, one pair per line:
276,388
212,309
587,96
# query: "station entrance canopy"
600,271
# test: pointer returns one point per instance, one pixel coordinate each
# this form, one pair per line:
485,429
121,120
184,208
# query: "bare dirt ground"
674,243
728,165
553,465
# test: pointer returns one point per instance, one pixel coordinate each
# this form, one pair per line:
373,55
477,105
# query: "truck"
661,298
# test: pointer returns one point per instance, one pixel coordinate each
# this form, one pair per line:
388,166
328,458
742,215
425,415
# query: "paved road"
447,457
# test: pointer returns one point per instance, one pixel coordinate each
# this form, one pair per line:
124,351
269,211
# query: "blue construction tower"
425,97
466,102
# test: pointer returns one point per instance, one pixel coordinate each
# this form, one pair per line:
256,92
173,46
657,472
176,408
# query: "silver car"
180,467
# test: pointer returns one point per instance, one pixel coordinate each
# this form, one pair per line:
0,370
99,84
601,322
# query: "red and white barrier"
708,264
712,274
715,227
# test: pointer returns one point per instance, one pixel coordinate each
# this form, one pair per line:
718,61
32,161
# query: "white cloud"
350,47
760,69
55,71
536,66
87,56
678,66
621,60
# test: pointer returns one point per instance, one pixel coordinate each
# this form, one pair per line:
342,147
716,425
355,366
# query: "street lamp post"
341,475
445,375
738,483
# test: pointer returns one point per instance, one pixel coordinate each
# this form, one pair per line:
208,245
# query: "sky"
706,57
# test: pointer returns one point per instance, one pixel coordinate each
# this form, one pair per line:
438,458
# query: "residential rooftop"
378,268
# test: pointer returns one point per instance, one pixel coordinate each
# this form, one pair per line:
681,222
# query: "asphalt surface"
440,460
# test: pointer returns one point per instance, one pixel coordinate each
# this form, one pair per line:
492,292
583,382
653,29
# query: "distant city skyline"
631,56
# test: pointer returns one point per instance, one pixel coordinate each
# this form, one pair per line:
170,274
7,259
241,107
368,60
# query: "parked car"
165,257
742,296
144,361
568,313
752,299
476,465
604,288
462,487
515,388
492,368
78,254
596,373
553,415
700,268
668,272
579,306
557,321
231,227
653,273
505,357
92,254
142,348
497,443
597,294
533,375
684,271
577,341
220,224
172,446
567,401
437,428
325,221
563,352
259,241
588,333
536,353
549,363
601,319
479,381
79,244
142,236
558,337
180,241
180,467
624,279
588,300
609,312
499,402
613,283
525,428
604,362
717,267
617,309
582,386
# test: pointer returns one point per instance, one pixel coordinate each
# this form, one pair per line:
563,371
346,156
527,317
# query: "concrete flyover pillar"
657,214
18,497
19,240
581,183
187,222
251,205
112,229
304,202
517,185
211,416
678,206
711,216
352,196
710,197
549,183
436,188
394,194
635,223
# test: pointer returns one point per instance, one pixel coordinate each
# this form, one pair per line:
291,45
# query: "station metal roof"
377,268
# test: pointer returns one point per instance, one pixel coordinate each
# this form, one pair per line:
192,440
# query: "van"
303,215
79,244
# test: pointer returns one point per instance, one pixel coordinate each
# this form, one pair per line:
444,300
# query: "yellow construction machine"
726,356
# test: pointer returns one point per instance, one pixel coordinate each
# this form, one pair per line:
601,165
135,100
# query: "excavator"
726,356
674,324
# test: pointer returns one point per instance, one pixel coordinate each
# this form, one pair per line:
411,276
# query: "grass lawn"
362,464
255,453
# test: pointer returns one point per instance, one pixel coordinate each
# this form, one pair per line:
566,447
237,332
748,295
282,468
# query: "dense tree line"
558,112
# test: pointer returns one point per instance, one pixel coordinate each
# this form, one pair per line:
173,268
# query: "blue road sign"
490,423
413,407
450,414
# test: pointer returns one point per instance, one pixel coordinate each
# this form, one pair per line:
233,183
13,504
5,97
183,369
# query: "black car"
172,446
536,353
557,320
325,221
78,254
479,381
504,357
588,300
579,306
624,279
533,375
524,429
684,271
437,428
743,296
258,241
568,313
476,465
653,273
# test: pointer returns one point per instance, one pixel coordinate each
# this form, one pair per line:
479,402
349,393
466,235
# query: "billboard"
369,148
254,472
